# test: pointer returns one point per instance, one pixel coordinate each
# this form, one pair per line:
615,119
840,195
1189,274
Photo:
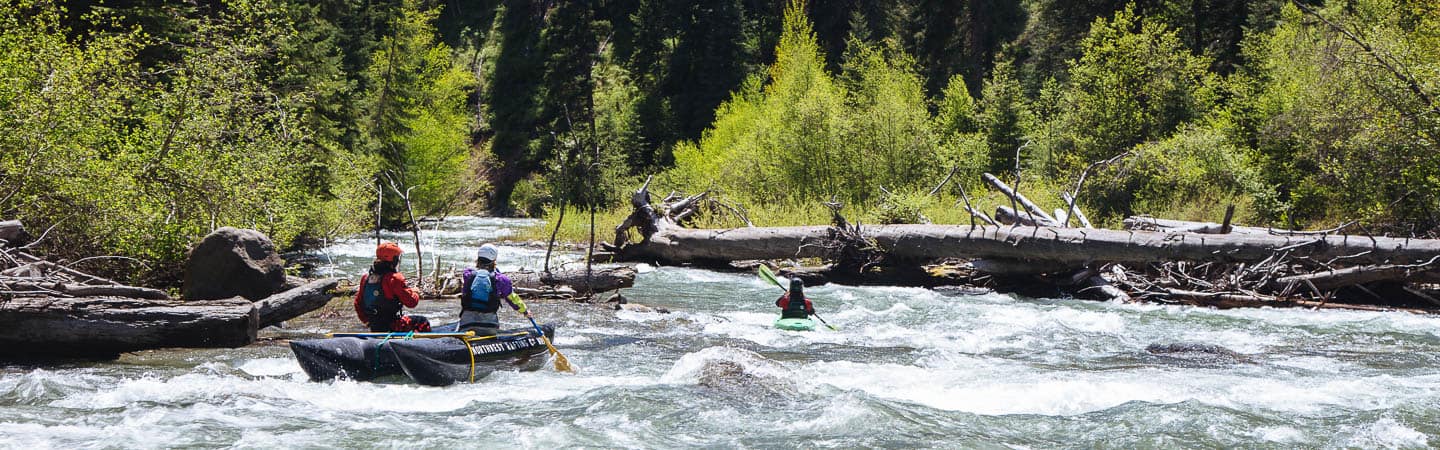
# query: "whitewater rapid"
908,367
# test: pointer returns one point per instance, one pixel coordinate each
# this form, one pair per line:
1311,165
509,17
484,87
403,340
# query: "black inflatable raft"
434,361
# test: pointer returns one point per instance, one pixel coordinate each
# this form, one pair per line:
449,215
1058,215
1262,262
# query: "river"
908,368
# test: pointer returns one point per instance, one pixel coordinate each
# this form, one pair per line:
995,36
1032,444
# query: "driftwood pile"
1024,247
51,310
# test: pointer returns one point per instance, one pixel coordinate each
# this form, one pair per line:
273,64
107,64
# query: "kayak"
795,324
369,358
443,362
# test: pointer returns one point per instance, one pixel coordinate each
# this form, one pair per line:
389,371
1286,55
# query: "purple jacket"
503,288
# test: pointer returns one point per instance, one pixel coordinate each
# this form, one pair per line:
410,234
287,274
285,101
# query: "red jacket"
393,287
784,301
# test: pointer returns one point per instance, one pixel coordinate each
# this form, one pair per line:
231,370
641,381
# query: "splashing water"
909,368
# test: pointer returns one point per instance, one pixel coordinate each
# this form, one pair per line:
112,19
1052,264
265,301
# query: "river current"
908,368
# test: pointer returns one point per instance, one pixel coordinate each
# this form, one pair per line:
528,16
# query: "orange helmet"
388,251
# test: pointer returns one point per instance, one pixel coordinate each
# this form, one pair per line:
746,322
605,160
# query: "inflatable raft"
424,357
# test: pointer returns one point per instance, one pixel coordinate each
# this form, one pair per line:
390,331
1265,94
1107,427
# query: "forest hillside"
132,128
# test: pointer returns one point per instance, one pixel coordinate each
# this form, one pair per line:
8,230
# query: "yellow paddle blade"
561,363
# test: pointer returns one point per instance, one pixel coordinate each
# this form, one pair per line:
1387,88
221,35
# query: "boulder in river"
232,262
1198,353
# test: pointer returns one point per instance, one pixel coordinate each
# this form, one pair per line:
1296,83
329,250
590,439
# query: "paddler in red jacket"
795,310
383,293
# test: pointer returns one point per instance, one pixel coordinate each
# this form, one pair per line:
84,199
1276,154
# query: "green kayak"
795,324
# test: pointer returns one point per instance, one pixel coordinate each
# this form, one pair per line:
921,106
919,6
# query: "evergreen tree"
1002,116
512,95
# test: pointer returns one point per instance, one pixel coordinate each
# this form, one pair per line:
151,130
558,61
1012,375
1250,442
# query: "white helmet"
488,252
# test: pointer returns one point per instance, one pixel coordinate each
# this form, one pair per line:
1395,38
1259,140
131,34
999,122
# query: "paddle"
770,276
561,364
403,335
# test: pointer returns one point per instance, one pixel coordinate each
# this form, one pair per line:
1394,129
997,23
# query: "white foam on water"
569,339
1279,434
618,428
839,416
705,276
1384,433
641,316
269,439
1051,396
760,328
39,385
270,367
688,369
546,385
985,386
127,434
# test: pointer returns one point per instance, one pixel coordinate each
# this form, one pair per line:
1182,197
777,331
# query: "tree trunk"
1153,224
292,303
106,327
1061,245
1351,276
601,280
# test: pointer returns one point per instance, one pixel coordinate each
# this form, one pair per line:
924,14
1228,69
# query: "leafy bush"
1194,173
801,135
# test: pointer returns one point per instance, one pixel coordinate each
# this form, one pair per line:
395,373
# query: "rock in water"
233,262
1198,353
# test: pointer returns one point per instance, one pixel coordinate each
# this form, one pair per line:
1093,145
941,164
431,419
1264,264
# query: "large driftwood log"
601,280
1034,210
105,327
1007,216
1063,245
294,302
1351,276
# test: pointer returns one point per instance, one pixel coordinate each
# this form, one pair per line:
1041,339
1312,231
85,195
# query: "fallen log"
295,302
1007,216
1078,214
1061,245
601,280
1350,276
82,290
1034,210
48,327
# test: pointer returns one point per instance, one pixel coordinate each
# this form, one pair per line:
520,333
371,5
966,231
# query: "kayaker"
795,310
383,293
484,287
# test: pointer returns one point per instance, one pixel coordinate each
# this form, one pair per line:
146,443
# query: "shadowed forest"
132,128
